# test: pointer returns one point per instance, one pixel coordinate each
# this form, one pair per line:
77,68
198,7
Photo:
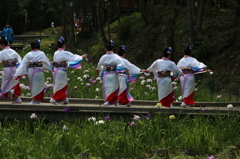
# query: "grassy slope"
218,50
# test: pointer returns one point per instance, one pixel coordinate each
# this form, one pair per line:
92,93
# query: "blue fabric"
10,35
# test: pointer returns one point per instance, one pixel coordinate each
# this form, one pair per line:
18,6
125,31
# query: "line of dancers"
115,70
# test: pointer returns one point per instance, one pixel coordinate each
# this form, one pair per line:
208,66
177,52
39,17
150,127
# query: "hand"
143,70
84,56
98,71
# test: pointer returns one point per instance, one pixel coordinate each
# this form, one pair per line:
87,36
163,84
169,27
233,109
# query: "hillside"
219,49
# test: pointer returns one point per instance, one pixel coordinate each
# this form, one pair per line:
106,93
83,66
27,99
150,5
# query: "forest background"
145,28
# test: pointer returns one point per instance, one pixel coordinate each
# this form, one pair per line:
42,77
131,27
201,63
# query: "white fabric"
60,76
164,65
122,79
8,82
110,59
110,84
132,68
190,62
60,79
188,84
34,56
62,55
164,87
36,78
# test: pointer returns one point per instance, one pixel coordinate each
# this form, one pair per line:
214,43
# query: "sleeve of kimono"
175,69
100,63
22,68
46,63
198,64
72,57
152,68
132,68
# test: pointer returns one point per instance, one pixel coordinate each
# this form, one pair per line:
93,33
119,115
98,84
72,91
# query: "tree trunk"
200,20
144,14
100,26
190,23
71,42
64,12
172,24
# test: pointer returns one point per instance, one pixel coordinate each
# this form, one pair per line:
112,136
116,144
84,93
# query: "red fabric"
112,98
123,98
39,96
60,94
190,99
168,100
17,90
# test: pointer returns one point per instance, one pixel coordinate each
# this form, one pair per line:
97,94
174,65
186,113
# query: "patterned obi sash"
32,64
109,67
9,63
59,64
187,70
164,73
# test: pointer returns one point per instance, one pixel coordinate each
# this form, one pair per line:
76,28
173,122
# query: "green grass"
191,136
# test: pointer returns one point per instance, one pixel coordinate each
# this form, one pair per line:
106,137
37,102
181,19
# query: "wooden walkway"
84,108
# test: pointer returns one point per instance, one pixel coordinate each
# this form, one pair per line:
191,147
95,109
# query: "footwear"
117,105
32,103
65,101
53,101
171,106
129,104
184,105
106,103
17,101
37,102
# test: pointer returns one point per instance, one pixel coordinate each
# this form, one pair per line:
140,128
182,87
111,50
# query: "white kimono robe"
188,81
164,83
35,75
8,80
110,85
60,75
124,97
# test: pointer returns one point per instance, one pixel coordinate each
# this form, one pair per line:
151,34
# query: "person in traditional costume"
62,59
108,66
10,60
33,65
10,35
162,69
189,65
124,97
5,32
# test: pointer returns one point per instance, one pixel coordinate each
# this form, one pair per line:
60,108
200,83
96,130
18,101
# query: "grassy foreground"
191,137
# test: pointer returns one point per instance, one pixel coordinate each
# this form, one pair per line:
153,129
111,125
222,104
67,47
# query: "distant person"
162,69
189,65
5,32
61,59
10,35
124,97
32,65
108,64
10,60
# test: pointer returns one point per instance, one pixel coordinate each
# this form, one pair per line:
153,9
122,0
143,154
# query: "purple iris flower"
148,116
107,117
67,109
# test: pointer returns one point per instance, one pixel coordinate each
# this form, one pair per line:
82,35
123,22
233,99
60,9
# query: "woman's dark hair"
36,44
121,50
109,45
167,51
3,41
61,42
188,50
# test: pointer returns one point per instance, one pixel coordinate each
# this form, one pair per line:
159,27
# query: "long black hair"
109,45
122,49
188,50
167,51
36,44
61,42
3,41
